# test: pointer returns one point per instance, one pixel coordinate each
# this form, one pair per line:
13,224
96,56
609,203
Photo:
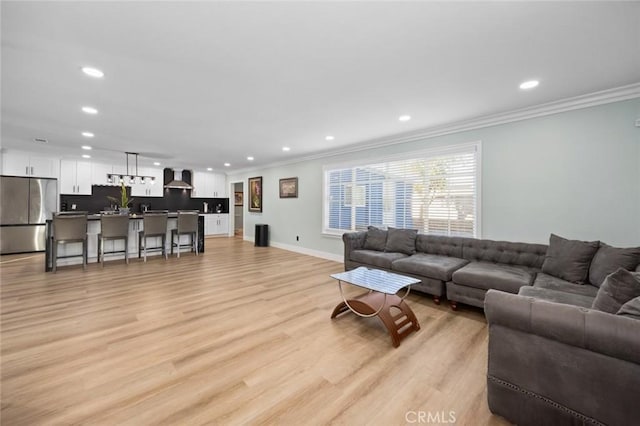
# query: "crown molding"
602,97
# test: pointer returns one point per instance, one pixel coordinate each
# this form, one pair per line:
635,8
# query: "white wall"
576,174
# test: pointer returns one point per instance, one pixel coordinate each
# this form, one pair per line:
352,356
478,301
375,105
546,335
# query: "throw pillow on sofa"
569,259
616,290
608,259
376,239
401,241
631,308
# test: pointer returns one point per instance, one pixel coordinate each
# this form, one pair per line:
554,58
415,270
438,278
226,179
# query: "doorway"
238,192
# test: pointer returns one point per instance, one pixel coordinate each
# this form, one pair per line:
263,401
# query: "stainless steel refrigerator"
26,204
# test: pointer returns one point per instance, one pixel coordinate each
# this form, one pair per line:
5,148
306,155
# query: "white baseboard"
303,250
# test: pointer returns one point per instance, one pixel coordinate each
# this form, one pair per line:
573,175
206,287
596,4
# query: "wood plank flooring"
238,335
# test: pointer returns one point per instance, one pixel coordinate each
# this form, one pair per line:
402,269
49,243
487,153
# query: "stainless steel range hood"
177,182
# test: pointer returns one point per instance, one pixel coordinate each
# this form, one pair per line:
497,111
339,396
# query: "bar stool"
69,227
187,225
154,224
113,227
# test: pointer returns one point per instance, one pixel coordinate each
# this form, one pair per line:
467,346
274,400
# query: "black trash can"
262,235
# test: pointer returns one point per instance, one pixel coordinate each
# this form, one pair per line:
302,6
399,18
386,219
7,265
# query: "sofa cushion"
376,239
616,290
569,259
429,265
631,308
401,240
504,252
376,258
487,275
440,244
557,296
608,259
552,283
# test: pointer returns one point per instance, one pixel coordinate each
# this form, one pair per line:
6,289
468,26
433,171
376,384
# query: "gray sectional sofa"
564,319
464,269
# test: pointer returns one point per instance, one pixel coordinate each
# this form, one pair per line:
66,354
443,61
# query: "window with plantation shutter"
436,192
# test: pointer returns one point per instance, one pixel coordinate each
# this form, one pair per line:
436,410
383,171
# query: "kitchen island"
68,253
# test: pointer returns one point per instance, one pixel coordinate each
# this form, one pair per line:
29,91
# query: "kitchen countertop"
172,215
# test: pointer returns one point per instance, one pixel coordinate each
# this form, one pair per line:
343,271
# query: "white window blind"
435,192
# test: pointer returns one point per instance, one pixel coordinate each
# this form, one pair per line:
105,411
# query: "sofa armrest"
608,334
551,363
352,241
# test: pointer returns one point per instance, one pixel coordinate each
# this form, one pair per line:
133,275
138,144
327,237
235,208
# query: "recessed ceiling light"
89,110
93,72
40,140
329,138
88,134
87,147
155,163
209,169
404,118
529,84
250,158
86,156
286,148
227,164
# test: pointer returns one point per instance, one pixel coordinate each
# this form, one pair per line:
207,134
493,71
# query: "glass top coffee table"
381,300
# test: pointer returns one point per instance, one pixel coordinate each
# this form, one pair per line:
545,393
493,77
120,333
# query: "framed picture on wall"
289,187
255,194
238,198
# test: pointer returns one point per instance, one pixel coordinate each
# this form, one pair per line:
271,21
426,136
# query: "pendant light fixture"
131,178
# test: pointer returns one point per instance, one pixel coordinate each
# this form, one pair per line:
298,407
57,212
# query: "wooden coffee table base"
399,325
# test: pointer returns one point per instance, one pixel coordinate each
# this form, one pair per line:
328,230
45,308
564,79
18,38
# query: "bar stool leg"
178,235
54,261
84,254
126,249
101,258
164,247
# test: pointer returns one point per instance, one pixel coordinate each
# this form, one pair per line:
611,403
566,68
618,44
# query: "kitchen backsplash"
173,199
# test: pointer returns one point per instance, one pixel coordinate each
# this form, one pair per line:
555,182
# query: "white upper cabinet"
155,189
75,177
200,183
219,185
209,185
99,172
149,189
16,163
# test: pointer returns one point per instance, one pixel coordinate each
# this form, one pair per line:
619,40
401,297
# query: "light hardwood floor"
238,335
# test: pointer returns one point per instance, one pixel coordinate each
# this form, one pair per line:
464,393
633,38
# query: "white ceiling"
198,84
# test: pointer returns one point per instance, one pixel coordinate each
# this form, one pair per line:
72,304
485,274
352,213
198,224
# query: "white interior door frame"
232,208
